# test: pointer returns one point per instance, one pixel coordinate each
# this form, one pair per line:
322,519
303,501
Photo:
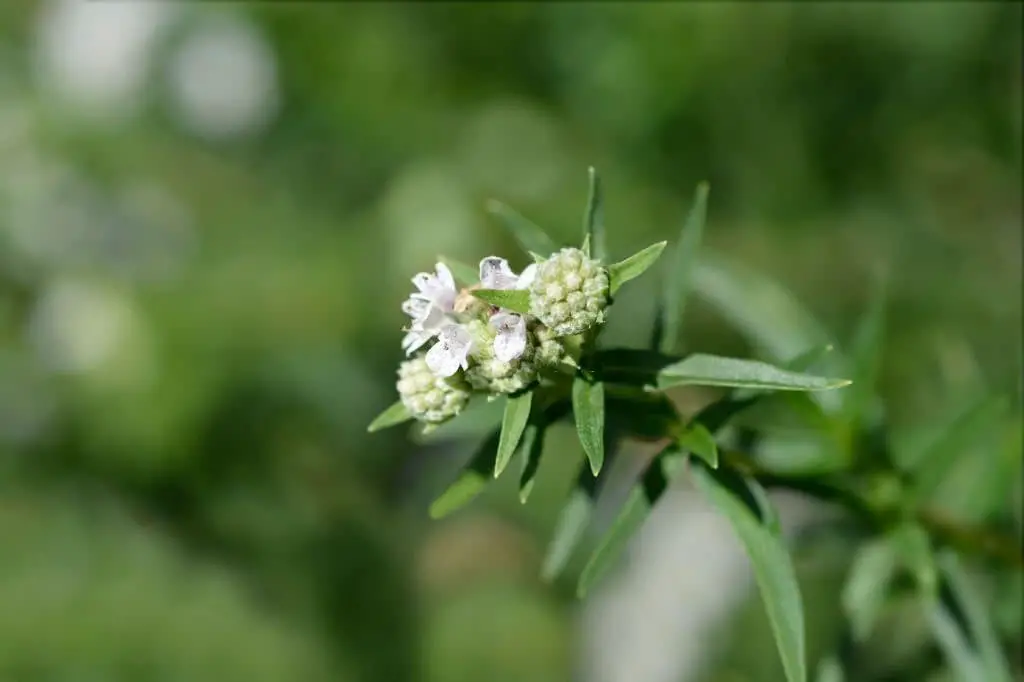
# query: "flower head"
430,398
451,350
494,373
569,292
510,328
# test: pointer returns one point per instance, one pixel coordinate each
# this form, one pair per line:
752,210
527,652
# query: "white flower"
495,273
438,289
429,307
450,352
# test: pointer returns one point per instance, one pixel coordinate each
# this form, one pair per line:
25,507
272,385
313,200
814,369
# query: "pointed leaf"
677,283
830,670
634,266
513,423
697,440
516,300
866,358
975,621
530,237
713,370
471,480
531,447
762,310
588,409
569,529
593,220
755,525
639,504
464,274
393,416
934,464
867,586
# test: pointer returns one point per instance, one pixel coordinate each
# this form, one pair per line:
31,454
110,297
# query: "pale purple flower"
510,340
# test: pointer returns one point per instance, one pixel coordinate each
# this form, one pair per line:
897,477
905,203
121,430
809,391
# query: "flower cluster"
458,343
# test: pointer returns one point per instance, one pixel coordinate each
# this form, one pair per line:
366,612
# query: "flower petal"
414,340
527,276
415,307
450,352
444,276
496,274
510,341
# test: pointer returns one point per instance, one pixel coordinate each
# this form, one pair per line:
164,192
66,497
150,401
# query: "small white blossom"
450,352
437,289
429,307
510,340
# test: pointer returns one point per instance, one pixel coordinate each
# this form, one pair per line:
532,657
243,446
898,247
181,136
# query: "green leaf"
768,315
641,500
962,658
516,300
713,370
531,447
530,237
914,549
634,266
960,597
830,670
630,365
471,480
464,274
588,409
513,423
593,219
677,281
866,358
393,416
867,585
697,440
934,464
570,527
757,528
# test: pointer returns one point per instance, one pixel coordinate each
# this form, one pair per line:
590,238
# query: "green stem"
966,539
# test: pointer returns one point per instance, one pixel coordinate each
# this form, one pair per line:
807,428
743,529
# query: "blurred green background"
209,214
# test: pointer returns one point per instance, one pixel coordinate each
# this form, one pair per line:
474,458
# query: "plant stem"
972,540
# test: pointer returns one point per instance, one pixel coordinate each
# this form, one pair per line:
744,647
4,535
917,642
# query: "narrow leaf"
866,358
513,299
513,423
588,409
471,480
935,463
393,416
639,504
914,549
530,237
532,447
593,220
767,314
713,370
867,586
773,568
634,266
677,282
830,670
697,440
464,274
981,633
631,365
569,529
962,658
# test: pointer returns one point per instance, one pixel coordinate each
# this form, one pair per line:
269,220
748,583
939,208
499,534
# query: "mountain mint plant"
533,341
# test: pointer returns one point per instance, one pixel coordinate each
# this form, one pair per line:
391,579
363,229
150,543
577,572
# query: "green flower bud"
551,350
430,398
570,292
488,373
